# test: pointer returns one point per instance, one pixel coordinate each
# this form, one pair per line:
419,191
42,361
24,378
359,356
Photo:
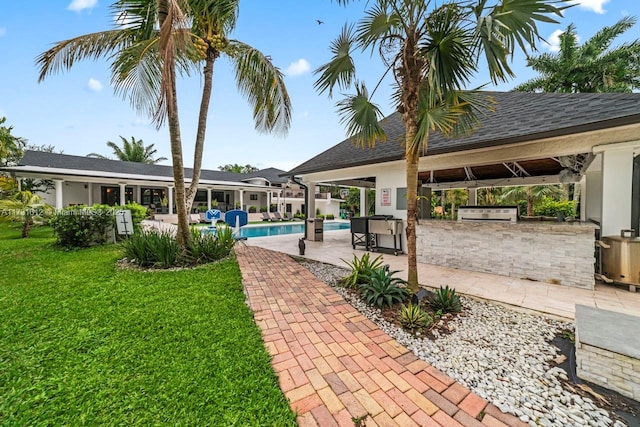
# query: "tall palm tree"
532,194
591,67
132,151
154,40
432,50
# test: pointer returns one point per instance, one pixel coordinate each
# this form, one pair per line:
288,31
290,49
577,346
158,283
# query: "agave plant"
445,300
381,288
412,316
360,268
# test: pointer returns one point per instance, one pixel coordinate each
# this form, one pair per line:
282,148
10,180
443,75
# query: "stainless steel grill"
621,259
488,213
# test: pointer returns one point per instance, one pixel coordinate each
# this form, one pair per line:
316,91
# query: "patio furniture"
279,217
267,217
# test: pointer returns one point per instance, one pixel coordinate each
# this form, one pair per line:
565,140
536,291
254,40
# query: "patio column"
19,181
279,201
617,181
90,193
138,198
363,202
58,184
311,209
170,198
473,196
123,200
269,201
208,198
241,199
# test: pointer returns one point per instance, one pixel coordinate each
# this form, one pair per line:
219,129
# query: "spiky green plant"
360,267
412,316
445,300
381,288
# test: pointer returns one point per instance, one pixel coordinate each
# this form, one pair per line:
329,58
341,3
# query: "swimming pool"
291,228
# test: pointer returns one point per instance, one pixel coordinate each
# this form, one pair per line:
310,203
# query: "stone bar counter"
554,252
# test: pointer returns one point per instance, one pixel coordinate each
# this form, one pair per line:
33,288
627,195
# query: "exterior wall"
617,177
593,196
390,177
608,369
74,193
550,252
607,353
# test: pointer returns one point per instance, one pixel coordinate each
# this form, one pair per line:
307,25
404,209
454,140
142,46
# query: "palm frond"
361,117
262,84
448,49
341,69
63,55
376,26
601,41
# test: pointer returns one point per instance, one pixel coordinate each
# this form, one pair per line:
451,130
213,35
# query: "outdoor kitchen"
493,239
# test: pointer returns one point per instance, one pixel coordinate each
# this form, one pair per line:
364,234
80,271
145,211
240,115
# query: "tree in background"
238,168
456,197
490,196
592,67
153,41
11,146
132,151
531,194
20,206
432,50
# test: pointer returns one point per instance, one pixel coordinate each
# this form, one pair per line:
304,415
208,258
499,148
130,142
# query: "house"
530,138
86,180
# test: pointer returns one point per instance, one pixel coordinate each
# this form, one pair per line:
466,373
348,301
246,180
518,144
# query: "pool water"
292,228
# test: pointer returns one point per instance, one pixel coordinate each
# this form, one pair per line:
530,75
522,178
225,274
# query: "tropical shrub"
252,209
329,216
209,247
263,209
83,226
551,207
445,300
381,288
360,267
152,248
412,316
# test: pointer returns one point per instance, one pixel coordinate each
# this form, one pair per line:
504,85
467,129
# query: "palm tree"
154,40
532,194
132,151
10,145
21,206
432,51
592,67
238,168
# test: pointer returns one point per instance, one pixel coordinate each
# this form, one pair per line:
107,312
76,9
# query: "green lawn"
84,343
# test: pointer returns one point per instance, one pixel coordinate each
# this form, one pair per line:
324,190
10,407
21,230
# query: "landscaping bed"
503,355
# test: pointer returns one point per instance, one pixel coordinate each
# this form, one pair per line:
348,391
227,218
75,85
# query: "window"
253,197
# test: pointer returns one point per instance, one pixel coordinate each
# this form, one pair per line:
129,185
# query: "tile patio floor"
334,365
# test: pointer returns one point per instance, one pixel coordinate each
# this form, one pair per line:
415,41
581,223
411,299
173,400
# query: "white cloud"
80,5
3,31
592,5
94,85
297,68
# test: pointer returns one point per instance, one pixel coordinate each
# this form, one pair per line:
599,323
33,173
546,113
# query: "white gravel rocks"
501,354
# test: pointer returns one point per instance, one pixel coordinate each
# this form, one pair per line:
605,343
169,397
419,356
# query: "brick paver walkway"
334,365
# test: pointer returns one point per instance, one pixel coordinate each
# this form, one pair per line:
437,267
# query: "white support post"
90,193
19,180
138,198
170,197
473,196
59,202
269,201
311,209
617,180
241,199
208,198
123,200
363,202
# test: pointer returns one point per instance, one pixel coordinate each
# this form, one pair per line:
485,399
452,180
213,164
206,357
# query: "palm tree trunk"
183,235
202,127
529,206
412,158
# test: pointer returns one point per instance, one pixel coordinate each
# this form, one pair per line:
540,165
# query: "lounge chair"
279,217
288,217
266,216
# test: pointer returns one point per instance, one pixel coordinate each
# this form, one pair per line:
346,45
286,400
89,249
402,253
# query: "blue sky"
77,111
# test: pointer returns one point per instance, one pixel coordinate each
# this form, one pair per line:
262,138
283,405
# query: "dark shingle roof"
89,164
270,174
518,117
